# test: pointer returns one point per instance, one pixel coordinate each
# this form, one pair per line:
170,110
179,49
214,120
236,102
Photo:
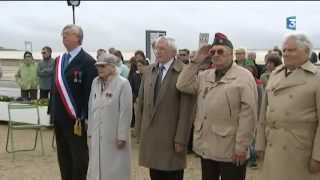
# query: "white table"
24,115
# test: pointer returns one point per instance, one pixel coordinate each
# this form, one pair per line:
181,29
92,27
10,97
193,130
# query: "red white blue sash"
63,88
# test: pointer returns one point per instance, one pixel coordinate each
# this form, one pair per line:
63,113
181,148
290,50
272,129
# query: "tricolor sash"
63,88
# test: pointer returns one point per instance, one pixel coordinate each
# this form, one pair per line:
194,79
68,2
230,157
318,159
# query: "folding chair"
22,123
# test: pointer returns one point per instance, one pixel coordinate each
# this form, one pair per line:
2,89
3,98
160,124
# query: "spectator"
45,72
241,58
100,51
123,69
313,58
272,61
184,56
27,78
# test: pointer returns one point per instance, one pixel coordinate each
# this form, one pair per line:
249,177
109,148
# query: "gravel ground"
35,166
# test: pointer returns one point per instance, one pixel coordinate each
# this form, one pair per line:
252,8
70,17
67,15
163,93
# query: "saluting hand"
202,54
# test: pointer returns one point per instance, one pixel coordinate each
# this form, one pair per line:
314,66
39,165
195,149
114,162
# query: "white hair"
170,41
74,29
302,41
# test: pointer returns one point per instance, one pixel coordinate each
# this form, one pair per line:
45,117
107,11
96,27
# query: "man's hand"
239,158
178,148
121,144
314,166
202,54
260,155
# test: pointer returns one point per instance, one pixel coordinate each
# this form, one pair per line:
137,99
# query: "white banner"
203,39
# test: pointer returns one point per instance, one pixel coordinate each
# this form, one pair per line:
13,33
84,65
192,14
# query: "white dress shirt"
74,52
166,68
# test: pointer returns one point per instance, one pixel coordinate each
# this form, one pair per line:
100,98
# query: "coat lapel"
229,76
153,81
176,66
294,79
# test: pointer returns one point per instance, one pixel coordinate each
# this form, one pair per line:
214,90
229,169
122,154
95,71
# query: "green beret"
221,39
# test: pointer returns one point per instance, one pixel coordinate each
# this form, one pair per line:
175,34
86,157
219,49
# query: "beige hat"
107,59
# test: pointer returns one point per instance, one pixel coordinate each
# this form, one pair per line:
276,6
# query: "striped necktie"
158,83
66,60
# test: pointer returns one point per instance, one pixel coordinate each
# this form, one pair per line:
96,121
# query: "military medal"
75,76
109,95
79,76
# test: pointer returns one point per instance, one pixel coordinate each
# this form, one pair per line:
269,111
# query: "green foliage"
40,102
6,98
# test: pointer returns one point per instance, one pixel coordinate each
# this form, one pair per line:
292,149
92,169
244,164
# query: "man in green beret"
226,110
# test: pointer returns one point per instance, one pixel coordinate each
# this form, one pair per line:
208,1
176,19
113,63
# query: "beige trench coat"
226,110
167,122
288,129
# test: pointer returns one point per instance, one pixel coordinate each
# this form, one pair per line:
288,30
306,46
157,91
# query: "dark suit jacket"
83,63
135,80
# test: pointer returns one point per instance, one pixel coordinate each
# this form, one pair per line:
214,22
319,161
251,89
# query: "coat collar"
279,81
229,75
308,66
176,66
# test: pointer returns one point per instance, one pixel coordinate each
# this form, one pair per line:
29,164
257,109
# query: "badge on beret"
221,39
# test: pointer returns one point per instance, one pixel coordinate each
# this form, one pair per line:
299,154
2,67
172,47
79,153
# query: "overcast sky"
253,25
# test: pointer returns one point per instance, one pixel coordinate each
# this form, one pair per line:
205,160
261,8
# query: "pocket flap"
223,130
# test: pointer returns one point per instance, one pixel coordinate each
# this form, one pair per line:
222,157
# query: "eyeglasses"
101,65
218,51
43,52
182,54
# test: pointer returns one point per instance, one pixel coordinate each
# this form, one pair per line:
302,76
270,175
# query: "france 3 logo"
291,22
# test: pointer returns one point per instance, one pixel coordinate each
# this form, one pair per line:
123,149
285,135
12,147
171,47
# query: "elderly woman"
110,112
27,78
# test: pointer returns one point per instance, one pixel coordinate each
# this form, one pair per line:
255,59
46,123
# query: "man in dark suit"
163,119
74,72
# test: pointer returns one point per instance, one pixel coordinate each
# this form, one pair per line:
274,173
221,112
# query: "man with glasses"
45,72
184,56
226,110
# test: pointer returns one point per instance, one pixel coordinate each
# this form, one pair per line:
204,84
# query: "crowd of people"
231,112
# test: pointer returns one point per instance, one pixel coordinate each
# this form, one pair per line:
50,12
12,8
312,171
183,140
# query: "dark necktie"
219,74
158,83
66,60
287,72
